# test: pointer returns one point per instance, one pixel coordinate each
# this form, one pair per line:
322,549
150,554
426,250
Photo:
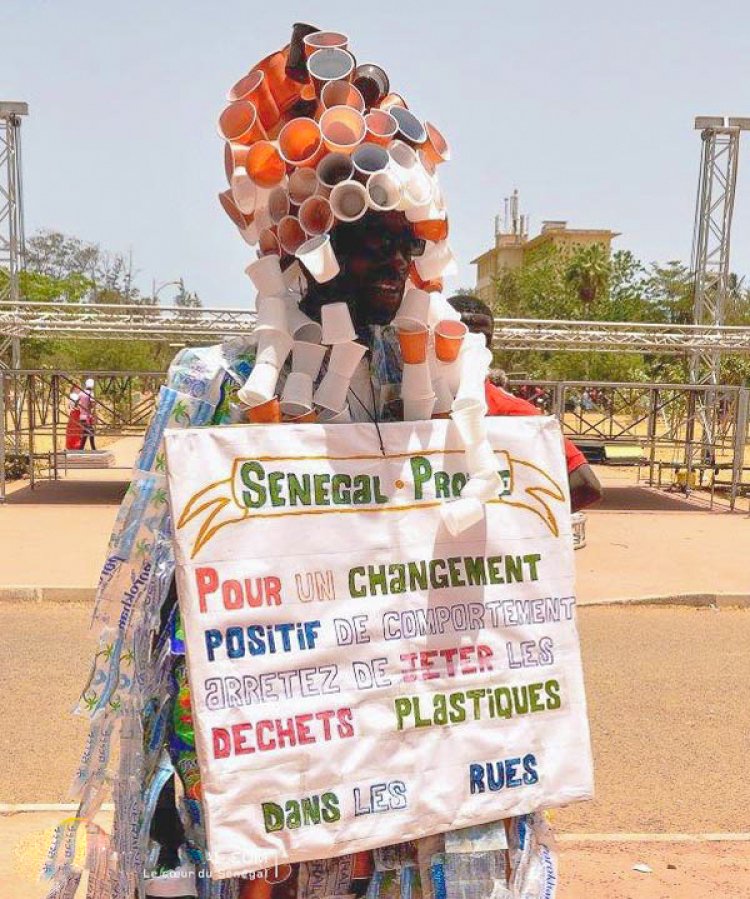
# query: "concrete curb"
47,594
688,600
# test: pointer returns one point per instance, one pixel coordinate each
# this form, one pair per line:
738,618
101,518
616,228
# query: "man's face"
374,254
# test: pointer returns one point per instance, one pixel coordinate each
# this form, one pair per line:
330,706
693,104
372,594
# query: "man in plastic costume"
386,241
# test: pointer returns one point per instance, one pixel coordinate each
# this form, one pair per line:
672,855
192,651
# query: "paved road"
669,699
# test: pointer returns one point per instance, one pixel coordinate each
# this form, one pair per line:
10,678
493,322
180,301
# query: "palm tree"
588,272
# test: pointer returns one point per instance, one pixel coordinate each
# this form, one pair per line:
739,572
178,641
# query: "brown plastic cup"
301,143
413,345
240,123
381,127
264,164
254,87
316,216
296,65
291,235
268,242
330,64
449,337
267,413
372,82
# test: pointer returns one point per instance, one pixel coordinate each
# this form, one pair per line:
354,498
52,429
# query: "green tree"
588,273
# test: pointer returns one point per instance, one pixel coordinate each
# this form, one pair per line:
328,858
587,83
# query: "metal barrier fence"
693,430
35,408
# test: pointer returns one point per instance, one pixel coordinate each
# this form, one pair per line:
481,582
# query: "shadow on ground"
70,493
646,499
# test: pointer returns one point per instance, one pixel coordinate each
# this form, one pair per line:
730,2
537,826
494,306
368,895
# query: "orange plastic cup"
284,89
433,286
264,165
320,40
381,127
436,149
266,414
240,123
235,156
257,888
392,100
432,229
254,87
306,418
343,129
449,337
413,345
230,207
268,242
301,143
291,235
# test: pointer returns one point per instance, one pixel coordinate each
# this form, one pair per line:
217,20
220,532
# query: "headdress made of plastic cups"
312,138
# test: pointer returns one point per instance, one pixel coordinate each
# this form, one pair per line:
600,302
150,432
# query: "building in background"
514,249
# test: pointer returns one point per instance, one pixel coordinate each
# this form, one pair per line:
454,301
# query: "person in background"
86,404
585,489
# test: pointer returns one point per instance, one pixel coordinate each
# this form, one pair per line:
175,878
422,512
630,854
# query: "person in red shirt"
585,489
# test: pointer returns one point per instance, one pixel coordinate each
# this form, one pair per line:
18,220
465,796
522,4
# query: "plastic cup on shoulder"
337,324
413,313
265,273
317,256
412,338
449,338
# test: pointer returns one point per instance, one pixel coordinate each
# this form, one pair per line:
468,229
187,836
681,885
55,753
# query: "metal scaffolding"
177,324
12,240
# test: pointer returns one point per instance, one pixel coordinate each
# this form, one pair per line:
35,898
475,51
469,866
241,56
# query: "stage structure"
12,240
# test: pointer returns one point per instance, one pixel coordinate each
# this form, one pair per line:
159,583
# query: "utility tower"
12,240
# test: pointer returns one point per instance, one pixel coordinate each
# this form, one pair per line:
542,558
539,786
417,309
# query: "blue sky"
586,107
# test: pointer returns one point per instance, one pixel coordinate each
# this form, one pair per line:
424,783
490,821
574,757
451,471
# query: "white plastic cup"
459,515
272,312
293,277
273,348
349,201
296,398
440,310
417,190
337,324
416,381
368,160
485,488
436,261
250,234
260,386
243,191
383,192
303,183
471,424
317,256
265,273
413,313
419,408
475,365
443,396
429,212
327,417
331,392
308,357
481,458
299,325
345,358
403,159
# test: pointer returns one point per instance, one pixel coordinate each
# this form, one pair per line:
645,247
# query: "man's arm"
585,489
